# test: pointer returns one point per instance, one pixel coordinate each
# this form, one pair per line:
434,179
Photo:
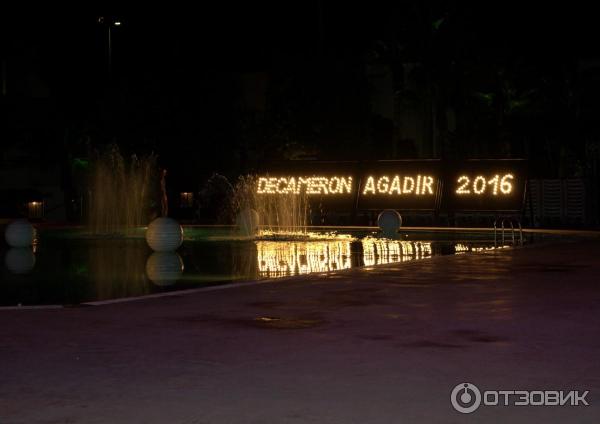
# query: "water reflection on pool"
383,251
277,259
71,270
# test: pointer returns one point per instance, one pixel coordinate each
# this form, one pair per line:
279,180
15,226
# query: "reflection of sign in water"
384,251
461,248
276,259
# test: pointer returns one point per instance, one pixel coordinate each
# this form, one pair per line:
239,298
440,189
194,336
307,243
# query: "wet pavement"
381,344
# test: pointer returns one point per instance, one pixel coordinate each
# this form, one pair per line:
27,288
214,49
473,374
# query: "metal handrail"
512,223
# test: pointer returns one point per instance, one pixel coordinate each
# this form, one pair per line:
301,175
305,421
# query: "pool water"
66,267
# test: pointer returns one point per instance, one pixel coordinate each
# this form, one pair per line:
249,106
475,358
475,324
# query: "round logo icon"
465,398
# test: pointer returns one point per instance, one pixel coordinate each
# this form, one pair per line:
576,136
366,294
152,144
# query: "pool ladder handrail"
512,223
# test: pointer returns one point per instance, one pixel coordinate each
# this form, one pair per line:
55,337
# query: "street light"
109,23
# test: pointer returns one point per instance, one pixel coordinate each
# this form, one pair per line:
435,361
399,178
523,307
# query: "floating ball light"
19,260
389,221
164,268
164,235
19,233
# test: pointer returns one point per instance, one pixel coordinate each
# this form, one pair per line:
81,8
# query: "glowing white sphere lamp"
247,222
164,268
164,235
389,222
19,260
19,233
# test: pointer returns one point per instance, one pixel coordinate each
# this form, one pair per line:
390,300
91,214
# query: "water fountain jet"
122,192
285,215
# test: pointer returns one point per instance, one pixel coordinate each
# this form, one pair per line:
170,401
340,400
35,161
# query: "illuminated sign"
321,184
484,185
310,185
397,184
480,184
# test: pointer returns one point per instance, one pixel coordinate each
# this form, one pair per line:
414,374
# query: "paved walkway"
379,345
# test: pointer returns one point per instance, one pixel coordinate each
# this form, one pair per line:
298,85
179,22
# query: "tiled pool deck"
373,345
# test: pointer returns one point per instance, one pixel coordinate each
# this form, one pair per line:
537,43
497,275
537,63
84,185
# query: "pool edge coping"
251,283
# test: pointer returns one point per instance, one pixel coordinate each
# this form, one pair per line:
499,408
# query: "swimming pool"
68,267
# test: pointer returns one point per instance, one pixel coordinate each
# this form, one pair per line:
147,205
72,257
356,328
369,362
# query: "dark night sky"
259,35
176,59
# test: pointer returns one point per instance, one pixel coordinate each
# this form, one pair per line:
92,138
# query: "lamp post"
110,23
